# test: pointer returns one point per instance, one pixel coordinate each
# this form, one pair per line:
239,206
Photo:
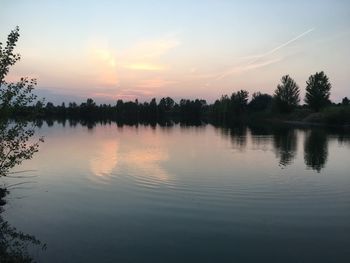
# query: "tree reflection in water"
237,135
285,142
316,149
285,145
16,144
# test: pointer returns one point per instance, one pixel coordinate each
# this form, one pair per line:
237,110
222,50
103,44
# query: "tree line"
236,107
17,100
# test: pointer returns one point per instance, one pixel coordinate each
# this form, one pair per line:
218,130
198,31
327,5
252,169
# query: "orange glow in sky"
181,49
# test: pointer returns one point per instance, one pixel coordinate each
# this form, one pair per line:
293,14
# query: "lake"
110,193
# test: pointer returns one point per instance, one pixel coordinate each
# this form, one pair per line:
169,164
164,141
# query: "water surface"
186,194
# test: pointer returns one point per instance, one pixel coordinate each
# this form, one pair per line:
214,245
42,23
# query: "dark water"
187,194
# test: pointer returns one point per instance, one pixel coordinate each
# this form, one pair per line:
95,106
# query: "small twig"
21,177
23,171
28,182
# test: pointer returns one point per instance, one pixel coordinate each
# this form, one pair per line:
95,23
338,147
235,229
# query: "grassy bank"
329,116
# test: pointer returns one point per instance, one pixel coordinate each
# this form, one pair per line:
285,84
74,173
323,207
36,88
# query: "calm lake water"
186,194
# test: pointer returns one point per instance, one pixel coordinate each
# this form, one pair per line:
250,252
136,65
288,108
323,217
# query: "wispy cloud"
103,62
134,66
257,65
106,56
151,49
256,59
145,66
154,83
284,44
125,94
147,55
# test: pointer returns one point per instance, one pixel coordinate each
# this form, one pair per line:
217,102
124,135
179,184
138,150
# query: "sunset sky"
184,49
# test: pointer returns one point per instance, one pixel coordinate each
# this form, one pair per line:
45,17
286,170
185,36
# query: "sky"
110,50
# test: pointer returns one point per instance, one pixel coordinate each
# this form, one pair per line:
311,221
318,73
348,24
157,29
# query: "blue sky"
142,49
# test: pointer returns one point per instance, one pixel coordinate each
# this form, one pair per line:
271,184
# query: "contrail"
258,57
286,43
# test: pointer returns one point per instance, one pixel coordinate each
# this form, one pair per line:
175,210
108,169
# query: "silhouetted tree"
50,109
287,94
165,105
153,108
191,110
317,91
13,96
7,56
90,103
15,143
345,101
221,109
168,103
260,102
239,102
39,108
119,108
